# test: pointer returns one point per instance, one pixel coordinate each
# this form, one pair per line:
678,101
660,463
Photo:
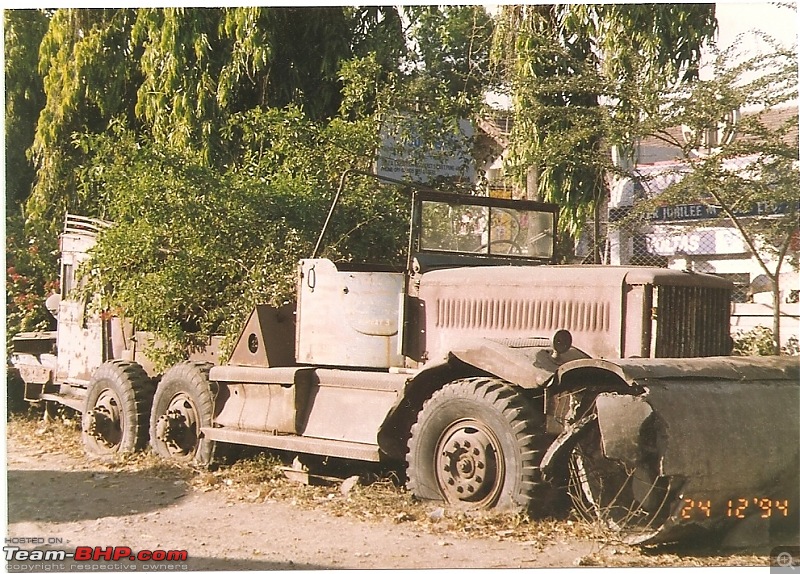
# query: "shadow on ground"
55,497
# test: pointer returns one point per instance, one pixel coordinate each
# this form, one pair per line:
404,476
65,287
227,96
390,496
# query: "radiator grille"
692,321
522,315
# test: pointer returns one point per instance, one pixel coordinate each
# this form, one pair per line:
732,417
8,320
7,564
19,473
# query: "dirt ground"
65,500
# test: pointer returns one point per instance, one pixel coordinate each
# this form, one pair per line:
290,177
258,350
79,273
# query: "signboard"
405,155
698,211
709,241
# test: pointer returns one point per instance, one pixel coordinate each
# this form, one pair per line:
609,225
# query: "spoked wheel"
474,445
116,409
182,405
630,499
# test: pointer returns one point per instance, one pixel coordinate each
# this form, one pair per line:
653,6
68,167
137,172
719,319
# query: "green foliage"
85,60
758,341
379,31
561,62
668,37
364,90
180,74
31,276
454,44
180,63
193,248
23,31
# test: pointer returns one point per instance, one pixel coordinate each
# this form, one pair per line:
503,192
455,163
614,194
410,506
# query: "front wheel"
116,409
634,500
474,445
183,404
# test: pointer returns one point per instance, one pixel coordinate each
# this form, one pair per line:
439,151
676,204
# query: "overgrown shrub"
193,248
31,275
758,341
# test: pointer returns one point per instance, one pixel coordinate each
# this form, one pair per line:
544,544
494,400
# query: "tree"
750,180
576,74
454,44
30,263
89,77
24,30
179,74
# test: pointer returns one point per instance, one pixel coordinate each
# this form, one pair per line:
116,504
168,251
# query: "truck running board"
75,403
293,443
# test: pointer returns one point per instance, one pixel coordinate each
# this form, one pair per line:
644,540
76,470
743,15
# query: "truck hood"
561,275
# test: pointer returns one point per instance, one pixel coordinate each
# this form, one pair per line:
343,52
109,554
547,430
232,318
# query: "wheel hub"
470,467
177,428
103,422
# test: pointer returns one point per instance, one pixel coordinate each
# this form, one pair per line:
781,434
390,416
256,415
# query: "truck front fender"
635,372
670,447
527,363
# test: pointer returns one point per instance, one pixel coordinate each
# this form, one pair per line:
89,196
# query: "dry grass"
257,477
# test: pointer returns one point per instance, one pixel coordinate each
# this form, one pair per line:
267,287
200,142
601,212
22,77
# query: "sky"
739,17
747,19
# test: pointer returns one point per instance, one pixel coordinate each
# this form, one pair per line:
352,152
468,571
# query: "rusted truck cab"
58,365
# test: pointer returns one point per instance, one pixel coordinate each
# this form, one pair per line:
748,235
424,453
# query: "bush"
31,276
193,248
758,341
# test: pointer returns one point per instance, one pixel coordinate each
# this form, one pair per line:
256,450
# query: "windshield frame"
436,257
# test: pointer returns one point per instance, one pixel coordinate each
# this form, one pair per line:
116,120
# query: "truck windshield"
486,229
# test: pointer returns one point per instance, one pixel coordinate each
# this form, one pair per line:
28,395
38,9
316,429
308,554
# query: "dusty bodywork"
496,378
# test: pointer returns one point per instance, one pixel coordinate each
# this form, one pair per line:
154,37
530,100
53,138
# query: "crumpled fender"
640,371
528,363
719,435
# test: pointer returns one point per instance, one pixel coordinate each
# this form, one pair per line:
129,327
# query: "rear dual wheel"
476,445
182,405
116,409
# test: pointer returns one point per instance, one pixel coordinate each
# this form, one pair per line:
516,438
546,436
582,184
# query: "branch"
745,235
782,252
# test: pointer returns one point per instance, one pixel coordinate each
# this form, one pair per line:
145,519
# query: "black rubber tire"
183,403
15,392
500,463
116,409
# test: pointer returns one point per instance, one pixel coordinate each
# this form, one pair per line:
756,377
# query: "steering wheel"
513,247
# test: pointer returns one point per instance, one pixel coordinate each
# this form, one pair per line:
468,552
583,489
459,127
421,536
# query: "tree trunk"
532,184
776,314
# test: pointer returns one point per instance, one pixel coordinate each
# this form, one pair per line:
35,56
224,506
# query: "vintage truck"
496,377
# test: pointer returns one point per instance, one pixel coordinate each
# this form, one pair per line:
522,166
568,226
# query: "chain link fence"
712,246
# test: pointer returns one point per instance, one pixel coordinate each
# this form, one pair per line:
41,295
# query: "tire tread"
136,392
524,421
